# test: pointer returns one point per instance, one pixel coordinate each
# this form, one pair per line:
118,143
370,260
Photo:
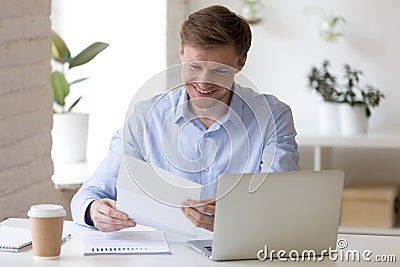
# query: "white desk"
182,255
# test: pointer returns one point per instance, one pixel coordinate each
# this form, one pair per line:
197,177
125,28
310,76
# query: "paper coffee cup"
46,227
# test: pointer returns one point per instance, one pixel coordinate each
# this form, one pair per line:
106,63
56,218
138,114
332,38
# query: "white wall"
136,32
285,46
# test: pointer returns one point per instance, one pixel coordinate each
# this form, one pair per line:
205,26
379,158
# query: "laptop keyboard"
209,248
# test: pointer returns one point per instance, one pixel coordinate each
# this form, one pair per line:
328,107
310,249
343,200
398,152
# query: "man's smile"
206,92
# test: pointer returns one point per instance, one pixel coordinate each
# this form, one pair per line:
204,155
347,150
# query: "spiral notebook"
14,239
125,242
17,239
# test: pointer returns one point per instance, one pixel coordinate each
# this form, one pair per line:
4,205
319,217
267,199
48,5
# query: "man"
207,127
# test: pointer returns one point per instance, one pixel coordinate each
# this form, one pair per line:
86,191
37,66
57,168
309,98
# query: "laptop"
298,210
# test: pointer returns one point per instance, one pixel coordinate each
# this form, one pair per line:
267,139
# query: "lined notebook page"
125,242
14,239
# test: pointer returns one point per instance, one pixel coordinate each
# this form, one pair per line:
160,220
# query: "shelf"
318,142
370,231
70,176
358,141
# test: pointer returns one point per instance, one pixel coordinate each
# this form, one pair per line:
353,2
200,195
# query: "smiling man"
208,126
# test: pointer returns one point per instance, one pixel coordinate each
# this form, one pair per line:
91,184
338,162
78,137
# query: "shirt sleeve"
280,152
101,184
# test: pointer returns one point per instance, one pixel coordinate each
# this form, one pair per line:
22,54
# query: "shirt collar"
182,111
234,113
235,107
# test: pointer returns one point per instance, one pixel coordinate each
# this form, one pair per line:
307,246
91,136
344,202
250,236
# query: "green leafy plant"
251,10
63,62
323,82
330,29
351,92
357,95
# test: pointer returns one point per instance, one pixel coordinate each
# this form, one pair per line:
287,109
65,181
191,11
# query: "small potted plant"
321,81
348,105
70,129
358,100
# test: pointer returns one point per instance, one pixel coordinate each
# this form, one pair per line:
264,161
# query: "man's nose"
204,85
205,77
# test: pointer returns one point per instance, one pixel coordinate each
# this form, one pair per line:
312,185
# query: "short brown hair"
215,26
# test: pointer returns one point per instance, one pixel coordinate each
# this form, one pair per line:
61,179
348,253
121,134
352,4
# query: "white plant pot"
328,118
70,133
353,120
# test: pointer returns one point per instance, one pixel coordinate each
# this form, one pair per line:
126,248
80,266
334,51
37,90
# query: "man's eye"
195,67
220,71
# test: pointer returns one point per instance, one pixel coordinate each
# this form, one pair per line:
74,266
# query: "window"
136,32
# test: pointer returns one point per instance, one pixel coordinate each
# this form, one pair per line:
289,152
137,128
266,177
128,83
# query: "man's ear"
241,63
180,51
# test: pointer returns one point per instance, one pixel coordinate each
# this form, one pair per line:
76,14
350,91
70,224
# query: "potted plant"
350,102
70,129
358,100
324,83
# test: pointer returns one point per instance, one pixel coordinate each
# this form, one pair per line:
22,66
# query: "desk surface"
182,255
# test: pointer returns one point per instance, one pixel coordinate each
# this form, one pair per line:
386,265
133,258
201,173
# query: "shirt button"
206,169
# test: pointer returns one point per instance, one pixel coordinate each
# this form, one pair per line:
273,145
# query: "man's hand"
201,213
107,218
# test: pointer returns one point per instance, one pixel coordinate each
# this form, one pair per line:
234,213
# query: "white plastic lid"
46,211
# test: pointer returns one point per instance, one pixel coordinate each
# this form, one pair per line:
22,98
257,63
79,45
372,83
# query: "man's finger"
203,218
106,220
199,217
202,206
197,222
195,203
107,210
115,221
206,209
104,227
210,200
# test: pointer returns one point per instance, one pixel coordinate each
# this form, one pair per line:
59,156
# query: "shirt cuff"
87,218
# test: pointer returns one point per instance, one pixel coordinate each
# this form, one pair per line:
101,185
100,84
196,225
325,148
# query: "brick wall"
25,107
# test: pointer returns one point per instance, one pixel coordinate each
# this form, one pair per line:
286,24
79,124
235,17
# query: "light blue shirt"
257,134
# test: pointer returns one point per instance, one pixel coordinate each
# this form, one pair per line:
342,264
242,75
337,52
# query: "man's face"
209,74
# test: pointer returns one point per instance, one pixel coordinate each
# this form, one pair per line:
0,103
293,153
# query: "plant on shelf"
351,92
62,63
356,94
323,82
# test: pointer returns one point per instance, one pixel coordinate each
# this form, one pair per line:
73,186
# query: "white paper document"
152,196
125,242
